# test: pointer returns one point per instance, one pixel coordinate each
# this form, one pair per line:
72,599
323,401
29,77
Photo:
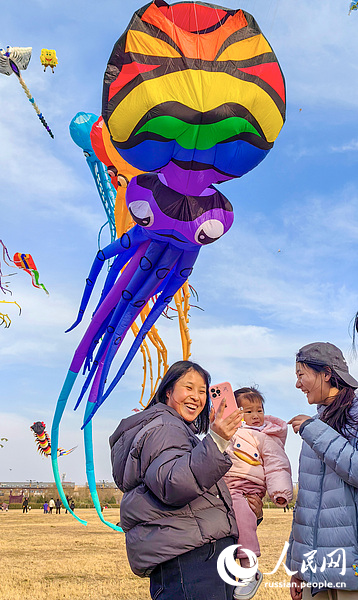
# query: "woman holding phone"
176,510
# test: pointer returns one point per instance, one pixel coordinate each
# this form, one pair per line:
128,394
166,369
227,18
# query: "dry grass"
53,557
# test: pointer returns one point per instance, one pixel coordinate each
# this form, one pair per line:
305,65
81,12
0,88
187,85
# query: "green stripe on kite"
201,137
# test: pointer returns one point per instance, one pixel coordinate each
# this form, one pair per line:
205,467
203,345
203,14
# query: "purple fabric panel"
97,378
107,305
191,183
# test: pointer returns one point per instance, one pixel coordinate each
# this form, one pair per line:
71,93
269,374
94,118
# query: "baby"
260,464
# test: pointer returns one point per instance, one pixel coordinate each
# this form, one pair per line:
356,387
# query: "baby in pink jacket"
260,464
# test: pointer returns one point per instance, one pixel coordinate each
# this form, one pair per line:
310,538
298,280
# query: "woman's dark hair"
336,414
251,393
175,372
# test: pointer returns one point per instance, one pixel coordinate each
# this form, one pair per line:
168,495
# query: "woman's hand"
255,503
297,421
296,588
226,428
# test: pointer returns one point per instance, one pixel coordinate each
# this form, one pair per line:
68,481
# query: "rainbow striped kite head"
194,91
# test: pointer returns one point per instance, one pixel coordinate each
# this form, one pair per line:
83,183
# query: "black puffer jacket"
174,498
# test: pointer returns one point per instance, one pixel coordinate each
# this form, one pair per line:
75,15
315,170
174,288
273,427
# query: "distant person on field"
68,502
58,505
72,505
51,505
45,507
25,505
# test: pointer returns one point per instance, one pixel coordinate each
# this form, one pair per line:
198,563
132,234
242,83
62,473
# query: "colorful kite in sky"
193,95
26,262
14,60
48,59
353,6
43,440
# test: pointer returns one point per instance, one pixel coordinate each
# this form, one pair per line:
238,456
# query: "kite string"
36,108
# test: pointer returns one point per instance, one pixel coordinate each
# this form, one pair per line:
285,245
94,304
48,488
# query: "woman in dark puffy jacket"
323,550
176,510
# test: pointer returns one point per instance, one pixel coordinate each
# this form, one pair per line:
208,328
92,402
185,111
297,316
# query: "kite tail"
91,478
35,280
61,404
36,108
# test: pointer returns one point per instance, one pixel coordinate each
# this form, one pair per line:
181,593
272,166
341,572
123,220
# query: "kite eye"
141,213
122,180
209,232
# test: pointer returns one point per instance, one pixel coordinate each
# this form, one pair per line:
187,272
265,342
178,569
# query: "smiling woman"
325,519
176,509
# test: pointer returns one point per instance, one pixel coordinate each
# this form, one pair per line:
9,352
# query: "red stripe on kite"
271,73
128,72
193,18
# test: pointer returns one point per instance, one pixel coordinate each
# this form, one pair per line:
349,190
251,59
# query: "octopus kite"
193,96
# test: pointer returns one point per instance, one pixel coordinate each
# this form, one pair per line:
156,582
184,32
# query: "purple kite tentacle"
124,245
147,263
182,271
108,304
114,272
164,266
101,331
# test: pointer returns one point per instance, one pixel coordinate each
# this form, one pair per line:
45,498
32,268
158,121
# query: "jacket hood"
122,439
275,426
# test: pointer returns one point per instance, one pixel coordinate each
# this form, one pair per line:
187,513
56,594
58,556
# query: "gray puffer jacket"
174,498
326,513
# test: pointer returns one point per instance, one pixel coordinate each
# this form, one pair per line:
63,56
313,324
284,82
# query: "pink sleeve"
277,470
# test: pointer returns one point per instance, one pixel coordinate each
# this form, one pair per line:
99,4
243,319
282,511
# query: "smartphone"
220,391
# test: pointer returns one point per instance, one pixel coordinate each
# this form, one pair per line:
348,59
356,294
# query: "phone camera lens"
213,395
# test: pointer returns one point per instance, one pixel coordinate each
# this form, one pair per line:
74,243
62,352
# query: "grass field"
53,557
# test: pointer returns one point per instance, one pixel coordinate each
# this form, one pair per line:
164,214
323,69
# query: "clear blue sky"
285,275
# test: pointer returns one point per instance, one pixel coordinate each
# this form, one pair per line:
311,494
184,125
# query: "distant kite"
6,257
4,318
3,440
26,262
14,60
353,6
44,442
48,59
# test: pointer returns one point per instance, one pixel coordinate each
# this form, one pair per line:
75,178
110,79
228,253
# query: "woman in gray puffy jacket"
176,510
323,551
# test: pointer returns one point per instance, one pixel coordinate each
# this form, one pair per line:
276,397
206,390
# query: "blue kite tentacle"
108,305
147,263
124,245
135,305
60,407
113,273
184,265
182,271
91,478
